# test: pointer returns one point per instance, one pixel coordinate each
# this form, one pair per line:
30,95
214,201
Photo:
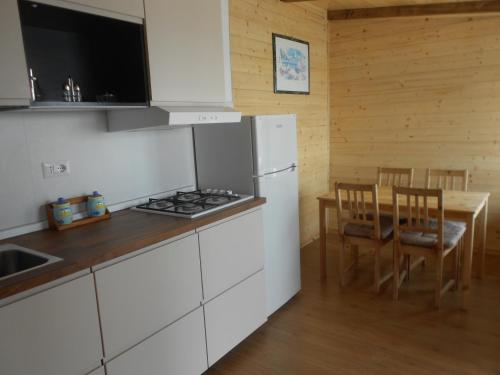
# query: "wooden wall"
418,92
252,23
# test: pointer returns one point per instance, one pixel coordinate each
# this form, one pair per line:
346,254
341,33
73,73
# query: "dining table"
469,207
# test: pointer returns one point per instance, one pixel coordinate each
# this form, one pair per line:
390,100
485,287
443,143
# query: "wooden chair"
395,176
447,179
360,224
425,235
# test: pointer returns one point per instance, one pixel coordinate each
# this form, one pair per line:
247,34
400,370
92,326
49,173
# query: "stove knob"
229,192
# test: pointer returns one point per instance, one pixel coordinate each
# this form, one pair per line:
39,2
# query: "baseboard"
307,243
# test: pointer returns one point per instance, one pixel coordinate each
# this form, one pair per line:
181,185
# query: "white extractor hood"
166,117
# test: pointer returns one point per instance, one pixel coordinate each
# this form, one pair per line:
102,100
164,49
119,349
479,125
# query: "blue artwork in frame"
291,65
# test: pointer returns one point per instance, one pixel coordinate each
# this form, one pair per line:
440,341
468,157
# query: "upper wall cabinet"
134,8
189,56
13,73
104,57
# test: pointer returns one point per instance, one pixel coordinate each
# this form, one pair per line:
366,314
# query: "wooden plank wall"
418,92
252,23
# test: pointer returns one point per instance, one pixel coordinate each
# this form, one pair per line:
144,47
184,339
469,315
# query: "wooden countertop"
127,231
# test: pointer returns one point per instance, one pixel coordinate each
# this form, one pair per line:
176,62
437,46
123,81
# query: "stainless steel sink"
16,259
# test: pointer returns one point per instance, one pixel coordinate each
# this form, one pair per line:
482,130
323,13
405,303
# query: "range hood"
167,117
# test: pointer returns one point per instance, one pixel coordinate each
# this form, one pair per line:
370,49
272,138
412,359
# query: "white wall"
122,166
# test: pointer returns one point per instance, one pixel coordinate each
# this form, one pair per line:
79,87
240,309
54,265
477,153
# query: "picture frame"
291,65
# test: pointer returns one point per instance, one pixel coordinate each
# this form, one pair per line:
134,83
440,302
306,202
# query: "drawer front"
178,349
230,252
53,332
144,294
234,315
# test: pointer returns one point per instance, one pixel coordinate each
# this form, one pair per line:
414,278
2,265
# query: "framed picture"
291,65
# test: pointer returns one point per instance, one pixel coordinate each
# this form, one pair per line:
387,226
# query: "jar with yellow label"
95,205
63,215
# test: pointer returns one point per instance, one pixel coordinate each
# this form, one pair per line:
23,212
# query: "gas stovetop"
193,204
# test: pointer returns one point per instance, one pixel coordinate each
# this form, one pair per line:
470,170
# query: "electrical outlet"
57,169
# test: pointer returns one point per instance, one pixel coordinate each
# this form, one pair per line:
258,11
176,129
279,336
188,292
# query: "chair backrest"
447,179
395,177
357,204
423,212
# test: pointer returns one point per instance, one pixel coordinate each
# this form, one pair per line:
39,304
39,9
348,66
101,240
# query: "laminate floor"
327,331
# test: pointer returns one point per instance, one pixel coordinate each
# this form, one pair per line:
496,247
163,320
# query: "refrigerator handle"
291,168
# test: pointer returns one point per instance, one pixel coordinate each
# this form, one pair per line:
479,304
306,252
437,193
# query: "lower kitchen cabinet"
234,315
141,295
179,349
231,251
54,332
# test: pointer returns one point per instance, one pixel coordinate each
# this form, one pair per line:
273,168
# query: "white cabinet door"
144,294
55,332
133,8
188,47
230,252
234,315
14,87
179,349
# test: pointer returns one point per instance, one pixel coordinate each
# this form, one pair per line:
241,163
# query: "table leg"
482,246
467,262
322,240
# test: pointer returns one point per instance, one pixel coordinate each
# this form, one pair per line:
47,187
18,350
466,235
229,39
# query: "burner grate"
190,204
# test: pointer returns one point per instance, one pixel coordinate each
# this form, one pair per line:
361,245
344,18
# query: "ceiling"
352,4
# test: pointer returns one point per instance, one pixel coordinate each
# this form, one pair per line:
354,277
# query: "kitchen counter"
81,248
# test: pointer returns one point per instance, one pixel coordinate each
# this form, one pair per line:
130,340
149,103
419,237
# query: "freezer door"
281,236
275,143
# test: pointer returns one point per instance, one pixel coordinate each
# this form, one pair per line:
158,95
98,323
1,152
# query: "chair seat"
366,231
453,231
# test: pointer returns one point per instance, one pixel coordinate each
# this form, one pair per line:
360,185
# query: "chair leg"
341,264
458,265
439,281
355,254
395,280
408,266
377,270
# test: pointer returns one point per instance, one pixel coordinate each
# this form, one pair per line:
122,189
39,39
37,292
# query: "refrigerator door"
281,236
275,143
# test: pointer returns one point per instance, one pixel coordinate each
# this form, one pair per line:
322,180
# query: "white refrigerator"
259,156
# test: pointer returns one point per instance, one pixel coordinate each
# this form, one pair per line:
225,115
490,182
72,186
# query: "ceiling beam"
295,1
469,7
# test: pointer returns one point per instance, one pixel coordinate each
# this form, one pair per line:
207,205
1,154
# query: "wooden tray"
76,223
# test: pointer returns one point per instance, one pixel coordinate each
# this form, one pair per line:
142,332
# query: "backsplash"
123,166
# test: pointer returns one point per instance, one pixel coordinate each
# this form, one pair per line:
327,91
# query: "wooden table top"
457,202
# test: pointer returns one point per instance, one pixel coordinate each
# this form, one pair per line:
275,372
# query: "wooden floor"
326,331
